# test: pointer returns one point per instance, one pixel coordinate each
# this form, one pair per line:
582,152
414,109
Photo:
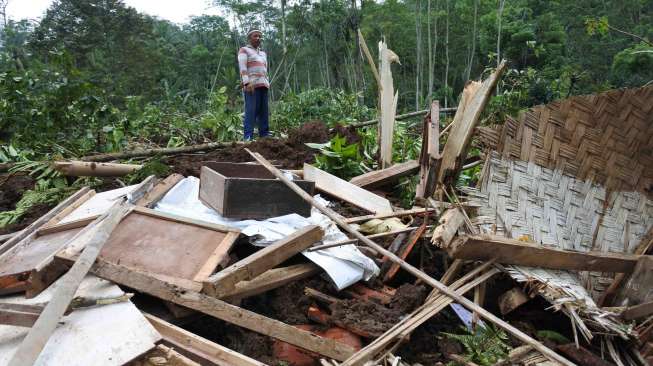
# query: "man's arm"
242,65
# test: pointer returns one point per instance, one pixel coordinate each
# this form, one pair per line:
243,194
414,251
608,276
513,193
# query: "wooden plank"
198,346
69,209
475,97
383,177
65,226
550,354
261,261
220,256
638,311
32,228
430,152
272,279
184,220
510,251
346,191
221,310
17,318
38,336
151,198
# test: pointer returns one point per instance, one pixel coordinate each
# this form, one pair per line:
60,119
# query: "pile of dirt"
12,187
408,297
368,316
289,153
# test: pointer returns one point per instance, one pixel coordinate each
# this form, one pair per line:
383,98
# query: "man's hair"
252,31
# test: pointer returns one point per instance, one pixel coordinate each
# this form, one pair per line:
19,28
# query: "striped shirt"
253,64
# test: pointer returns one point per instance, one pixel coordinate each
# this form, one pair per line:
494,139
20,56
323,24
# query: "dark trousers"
256,112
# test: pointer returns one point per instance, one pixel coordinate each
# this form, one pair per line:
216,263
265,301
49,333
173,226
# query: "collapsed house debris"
175,271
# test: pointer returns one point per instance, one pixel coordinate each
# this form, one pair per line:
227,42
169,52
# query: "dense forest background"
96,75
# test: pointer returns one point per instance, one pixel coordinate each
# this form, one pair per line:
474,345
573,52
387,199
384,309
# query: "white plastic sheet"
345,264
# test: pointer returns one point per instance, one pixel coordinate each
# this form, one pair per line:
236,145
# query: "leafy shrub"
338,158
326,105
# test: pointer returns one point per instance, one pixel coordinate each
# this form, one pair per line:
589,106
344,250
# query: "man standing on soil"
253,64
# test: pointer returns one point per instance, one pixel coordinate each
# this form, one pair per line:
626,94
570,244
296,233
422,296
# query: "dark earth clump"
365,315
408,297
290,153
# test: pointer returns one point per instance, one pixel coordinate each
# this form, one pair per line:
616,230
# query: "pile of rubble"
563,207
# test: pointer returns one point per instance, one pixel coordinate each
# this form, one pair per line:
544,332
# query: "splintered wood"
474,98
387,103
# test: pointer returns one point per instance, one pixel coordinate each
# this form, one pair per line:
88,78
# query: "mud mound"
290,153
12,187
408,297
349,132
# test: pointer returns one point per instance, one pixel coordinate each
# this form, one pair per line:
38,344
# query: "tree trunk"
430,49
283,26
446,52
418,42
499,15
470,61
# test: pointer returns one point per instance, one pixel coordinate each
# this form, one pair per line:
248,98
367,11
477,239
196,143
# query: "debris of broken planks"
41,221
92,169
198,348
224,282
212,306
36,339
346,191
547,352
115,333
384,177
512,251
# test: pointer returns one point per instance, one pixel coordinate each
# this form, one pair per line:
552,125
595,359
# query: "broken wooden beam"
346,191
224,282
430,152
547,352
153,196
582,356
512,251
637,311
199,347
38,336
414,237
474,98
271,279
219,309
383,177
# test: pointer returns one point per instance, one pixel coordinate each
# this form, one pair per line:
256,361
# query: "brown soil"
290,153
365,315
348,132
12,187
408,297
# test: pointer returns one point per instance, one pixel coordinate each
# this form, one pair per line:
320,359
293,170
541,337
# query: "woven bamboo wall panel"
606,138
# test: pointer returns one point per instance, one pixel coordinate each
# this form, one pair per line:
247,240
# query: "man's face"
255,39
